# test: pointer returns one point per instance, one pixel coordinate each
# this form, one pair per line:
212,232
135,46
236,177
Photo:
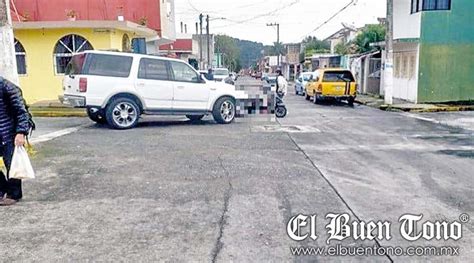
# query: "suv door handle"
180,87
141,84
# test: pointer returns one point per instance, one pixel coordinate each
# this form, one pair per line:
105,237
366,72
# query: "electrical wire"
352,2
270,13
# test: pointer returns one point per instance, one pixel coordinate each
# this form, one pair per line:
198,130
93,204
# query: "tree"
370,34
231,52
345,49
250,52
313,46
341,49
277,48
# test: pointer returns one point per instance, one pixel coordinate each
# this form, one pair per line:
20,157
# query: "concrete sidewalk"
400,105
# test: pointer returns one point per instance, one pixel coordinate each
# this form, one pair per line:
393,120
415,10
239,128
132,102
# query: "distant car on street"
301,82
220,74
116,88
272,80
332,83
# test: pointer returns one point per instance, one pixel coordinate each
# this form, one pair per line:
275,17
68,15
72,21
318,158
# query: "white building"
406,35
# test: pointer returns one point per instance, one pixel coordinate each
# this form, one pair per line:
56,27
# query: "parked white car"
116,88
220,74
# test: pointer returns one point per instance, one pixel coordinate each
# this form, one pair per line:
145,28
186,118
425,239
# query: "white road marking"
463,123
285,129
56,134
414,116
388,147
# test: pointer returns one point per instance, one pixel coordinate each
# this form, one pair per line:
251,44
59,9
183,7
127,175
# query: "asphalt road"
174,191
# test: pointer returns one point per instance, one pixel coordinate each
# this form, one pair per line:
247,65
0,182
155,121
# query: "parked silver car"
301,82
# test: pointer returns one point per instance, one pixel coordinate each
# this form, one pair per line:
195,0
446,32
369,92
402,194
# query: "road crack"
223,219
333,187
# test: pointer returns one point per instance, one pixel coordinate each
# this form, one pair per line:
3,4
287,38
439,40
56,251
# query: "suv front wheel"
224,110
122,113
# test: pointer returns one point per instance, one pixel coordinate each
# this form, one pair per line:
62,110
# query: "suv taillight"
320,87
83,85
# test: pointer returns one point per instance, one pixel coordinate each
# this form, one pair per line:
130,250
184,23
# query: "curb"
53,113
361,102
434,109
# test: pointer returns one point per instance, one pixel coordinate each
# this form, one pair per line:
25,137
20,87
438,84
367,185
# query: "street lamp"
208,36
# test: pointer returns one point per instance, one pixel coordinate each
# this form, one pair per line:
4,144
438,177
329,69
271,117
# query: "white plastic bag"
21,166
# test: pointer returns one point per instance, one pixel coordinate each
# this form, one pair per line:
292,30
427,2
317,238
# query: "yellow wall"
41,82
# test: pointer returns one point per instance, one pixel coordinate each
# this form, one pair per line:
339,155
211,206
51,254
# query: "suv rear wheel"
122,113
224,110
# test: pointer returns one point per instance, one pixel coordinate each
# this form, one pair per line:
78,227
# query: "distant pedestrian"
210,74
230,79
14,127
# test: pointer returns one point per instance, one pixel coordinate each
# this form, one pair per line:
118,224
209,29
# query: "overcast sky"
247,19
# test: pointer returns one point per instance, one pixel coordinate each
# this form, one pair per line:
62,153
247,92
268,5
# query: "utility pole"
200,42
278,40
388,65
209,63
8,68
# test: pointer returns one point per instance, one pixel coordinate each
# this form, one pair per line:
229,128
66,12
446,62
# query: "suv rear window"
75,65
108,65
338,76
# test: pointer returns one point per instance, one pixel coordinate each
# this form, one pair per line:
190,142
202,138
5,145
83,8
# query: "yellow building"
43,50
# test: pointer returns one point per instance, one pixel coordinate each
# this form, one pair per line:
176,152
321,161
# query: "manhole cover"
285,128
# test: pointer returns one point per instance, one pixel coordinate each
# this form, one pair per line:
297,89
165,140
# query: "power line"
270,13
243,21
331,18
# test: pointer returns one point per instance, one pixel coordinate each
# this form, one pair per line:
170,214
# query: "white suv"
116,88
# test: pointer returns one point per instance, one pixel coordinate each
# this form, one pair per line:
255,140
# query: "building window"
414,6
430,5
66,48
20,58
